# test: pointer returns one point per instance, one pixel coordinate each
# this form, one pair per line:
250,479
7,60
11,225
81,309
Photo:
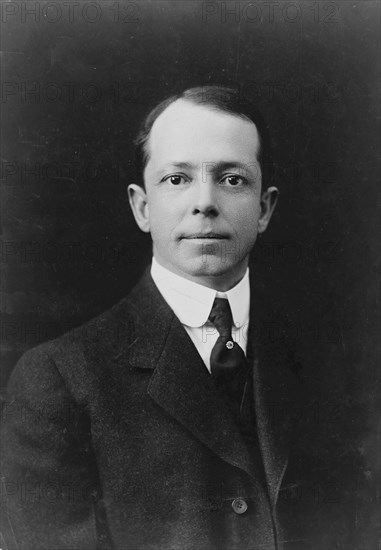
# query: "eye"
175,179
232,180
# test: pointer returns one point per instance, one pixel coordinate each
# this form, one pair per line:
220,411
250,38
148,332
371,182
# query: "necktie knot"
221,317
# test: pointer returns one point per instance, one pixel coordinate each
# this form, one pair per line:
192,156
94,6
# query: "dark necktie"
228,363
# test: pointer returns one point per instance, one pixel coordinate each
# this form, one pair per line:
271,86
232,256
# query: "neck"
220,282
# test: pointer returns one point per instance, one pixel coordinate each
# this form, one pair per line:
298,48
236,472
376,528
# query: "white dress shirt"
192,304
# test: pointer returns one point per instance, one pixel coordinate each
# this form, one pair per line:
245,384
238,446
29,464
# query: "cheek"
165,211
246,217
163,221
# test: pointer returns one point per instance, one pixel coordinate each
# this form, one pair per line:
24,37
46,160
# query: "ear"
268,202
139,206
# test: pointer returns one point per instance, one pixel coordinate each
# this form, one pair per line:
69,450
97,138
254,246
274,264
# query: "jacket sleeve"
49,481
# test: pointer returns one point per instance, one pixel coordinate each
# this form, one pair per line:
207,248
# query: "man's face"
203,193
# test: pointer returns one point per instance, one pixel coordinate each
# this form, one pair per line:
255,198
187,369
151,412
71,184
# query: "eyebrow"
182,165
228,165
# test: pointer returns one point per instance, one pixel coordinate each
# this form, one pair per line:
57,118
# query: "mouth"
205,236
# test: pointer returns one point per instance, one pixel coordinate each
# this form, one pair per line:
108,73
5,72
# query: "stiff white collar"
192,302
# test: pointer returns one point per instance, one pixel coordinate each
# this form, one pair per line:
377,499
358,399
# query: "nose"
205,201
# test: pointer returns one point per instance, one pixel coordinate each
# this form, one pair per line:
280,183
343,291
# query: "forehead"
185,132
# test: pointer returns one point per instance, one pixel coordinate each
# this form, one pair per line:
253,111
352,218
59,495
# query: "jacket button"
239,505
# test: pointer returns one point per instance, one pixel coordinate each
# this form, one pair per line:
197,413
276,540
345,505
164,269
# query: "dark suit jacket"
116,438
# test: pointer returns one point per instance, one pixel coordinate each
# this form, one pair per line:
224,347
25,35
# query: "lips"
209,235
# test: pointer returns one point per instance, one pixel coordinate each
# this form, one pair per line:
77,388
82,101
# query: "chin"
209,267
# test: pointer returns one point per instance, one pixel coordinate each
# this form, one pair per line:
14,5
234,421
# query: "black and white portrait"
189,275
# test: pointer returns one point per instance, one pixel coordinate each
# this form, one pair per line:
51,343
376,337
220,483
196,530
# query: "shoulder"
83,353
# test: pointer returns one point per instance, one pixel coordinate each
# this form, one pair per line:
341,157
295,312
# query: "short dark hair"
220,98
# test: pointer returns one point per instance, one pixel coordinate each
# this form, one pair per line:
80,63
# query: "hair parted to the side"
220,98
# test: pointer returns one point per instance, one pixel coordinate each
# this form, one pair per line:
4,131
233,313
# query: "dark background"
77,81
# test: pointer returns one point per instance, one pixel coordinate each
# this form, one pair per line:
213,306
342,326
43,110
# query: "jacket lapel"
180,382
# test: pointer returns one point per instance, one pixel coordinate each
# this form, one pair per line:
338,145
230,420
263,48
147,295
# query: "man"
178,426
